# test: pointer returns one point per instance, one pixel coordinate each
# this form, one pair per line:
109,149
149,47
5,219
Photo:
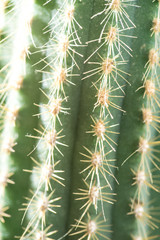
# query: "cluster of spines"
9,91
59,62
109,86
144,177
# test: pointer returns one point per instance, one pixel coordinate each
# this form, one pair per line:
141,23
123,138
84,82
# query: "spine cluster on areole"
59,62
144,177
10,103
110,85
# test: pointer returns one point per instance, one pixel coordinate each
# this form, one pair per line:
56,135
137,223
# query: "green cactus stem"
79,119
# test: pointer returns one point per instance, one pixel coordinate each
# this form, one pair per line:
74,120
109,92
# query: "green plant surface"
84,163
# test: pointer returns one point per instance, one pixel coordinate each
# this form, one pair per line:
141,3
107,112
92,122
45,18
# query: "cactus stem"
60,58
143,177
108,71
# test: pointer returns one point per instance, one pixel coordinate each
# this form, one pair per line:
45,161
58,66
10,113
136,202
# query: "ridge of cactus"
143,160
59,62
12,101
15,111
107,77
144,176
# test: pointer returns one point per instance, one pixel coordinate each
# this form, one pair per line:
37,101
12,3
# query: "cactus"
79,108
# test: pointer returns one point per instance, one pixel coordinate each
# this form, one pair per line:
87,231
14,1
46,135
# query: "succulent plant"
80,123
